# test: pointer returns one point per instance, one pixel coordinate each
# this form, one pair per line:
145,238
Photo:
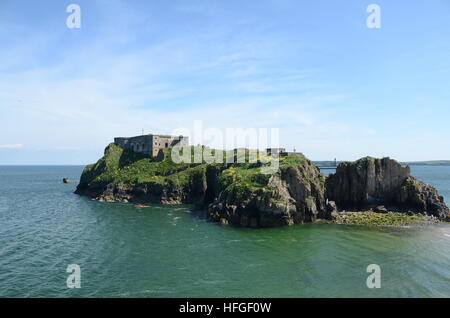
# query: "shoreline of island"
239,194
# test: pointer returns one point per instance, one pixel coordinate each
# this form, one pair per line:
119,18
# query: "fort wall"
150,144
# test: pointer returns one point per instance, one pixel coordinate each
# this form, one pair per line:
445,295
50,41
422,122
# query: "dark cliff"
295,194
240,194
369,182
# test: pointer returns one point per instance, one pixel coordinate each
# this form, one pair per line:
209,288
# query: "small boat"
141,206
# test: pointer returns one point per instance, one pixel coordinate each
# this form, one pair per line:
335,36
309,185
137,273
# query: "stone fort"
150,144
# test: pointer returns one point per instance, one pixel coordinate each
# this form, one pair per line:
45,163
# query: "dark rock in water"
421,197
103,180
294,195
366,182
371,182
66,180
240,194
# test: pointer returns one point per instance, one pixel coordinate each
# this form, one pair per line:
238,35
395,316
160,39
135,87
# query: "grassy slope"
119,166
243,179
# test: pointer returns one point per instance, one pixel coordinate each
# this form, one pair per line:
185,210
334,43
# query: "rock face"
148,192
420,197
239,194
366,182
116,178
294,195
371,182
331,211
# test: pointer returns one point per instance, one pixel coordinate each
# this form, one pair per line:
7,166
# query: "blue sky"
313,69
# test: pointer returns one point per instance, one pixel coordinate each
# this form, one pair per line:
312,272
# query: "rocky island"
240,194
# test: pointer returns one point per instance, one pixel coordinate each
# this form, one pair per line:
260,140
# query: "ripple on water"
171,252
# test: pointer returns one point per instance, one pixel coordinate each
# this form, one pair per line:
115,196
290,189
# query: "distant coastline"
406,163
428,163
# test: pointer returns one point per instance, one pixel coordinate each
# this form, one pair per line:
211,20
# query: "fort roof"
156,135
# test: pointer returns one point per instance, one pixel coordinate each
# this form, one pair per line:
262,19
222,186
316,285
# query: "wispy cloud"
11,146
93,94
164,66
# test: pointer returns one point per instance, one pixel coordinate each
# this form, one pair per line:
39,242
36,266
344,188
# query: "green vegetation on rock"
239,190
127,167
120,171
379,219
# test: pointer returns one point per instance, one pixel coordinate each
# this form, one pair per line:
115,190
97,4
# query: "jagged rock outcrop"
370,182
418,197
294,195
123,176
170,193
366,182
240,194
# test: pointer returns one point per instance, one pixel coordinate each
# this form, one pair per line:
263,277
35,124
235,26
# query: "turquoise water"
162,251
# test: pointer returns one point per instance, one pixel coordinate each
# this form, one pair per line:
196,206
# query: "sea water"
171,251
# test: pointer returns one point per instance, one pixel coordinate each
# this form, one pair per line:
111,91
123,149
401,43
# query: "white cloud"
11,146
93,93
